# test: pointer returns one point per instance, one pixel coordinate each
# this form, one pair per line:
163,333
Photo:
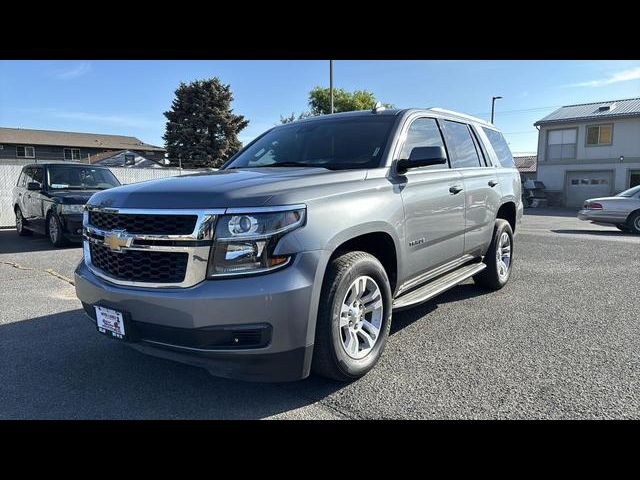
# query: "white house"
590,150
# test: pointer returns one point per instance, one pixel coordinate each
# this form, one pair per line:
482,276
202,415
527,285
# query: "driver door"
434,214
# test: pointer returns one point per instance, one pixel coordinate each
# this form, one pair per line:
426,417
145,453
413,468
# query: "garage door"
587,184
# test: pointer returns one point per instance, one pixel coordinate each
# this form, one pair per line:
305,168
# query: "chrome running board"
441,284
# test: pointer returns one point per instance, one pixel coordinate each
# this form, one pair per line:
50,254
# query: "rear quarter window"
499,145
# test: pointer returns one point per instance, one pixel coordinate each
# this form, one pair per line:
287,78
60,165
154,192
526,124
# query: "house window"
23,151
72,154
561,144
599,134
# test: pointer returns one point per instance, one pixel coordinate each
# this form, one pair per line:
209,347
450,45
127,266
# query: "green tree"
202,129
343,101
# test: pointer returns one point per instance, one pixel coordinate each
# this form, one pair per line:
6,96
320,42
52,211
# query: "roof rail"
462,115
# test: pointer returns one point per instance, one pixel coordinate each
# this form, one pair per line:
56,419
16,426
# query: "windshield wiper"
285,164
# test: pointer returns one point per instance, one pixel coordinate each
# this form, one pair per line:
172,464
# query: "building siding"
625,143
45,153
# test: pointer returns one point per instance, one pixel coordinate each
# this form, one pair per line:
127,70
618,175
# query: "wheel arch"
508,212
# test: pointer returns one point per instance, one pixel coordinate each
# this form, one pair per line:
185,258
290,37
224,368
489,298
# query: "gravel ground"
562,340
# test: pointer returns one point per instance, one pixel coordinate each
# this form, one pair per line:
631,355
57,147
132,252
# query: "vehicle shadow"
404,318
11,242
604,233
58,367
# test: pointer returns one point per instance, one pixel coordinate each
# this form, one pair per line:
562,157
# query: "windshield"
80,178
334,144
630,193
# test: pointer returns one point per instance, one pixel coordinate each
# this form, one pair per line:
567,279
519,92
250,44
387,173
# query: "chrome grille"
140,265
155,248
147,223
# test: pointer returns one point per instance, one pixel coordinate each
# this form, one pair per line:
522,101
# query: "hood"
71,197
225,188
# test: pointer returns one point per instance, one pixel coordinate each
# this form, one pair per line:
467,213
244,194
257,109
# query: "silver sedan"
622,210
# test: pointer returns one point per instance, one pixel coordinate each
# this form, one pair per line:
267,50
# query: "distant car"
49,198
622,210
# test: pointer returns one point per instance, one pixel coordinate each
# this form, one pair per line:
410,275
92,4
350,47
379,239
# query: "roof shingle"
73,139
629,107
527,164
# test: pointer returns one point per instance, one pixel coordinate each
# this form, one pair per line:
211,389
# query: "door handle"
455,189
492,183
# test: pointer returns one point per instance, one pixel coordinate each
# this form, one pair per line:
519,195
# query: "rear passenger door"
479,176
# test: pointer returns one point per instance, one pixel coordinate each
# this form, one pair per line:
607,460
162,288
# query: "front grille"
150,224
140,266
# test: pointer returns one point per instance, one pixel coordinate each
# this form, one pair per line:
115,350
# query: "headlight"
244,243
67,209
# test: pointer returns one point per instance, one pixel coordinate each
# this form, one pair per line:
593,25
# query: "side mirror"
34,186
422,157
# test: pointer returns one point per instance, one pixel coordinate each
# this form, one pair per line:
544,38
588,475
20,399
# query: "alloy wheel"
503,255
53,230
361,315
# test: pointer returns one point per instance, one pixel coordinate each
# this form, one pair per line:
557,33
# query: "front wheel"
354,317
622,227
633,223
23,232
54,228
499,258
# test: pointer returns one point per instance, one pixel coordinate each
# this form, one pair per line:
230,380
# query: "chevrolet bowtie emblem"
117,240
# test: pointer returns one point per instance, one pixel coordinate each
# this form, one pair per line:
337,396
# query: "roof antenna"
378,108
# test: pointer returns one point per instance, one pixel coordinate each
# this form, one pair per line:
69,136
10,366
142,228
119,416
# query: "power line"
522,110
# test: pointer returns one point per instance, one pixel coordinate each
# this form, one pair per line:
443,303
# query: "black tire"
329,356
622,227
55,234
23,232
633,223
490,276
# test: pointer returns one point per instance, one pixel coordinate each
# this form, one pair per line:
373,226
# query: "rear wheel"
54,229
23,232
633,223
499,258
353,319
622,227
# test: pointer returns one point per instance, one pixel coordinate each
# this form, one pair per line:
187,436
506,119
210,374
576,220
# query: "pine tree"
202,130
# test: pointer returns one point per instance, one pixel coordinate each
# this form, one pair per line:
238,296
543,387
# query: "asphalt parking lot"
562,340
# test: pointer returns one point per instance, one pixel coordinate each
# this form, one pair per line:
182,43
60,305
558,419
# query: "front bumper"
285,301
72,226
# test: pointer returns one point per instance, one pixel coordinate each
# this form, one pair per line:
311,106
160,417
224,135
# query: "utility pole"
493,106
331,83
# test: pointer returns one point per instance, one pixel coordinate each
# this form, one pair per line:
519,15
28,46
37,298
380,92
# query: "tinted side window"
38,175
28,175
461,147
21,179
423,132
500,146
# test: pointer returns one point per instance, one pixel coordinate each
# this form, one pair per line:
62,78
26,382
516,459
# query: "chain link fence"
9,174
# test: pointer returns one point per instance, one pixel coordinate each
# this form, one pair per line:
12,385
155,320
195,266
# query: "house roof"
628,107
101,157
73,139
98,157
527,164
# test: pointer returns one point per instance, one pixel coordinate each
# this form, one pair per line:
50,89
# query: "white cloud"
74,72
623,76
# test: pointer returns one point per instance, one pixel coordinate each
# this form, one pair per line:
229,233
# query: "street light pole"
331,83
493,106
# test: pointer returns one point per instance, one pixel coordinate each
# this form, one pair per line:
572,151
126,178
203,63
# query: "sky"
129,97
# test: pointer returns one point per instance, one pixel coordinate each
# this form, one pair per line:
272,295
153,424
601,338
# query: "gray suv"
294,255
